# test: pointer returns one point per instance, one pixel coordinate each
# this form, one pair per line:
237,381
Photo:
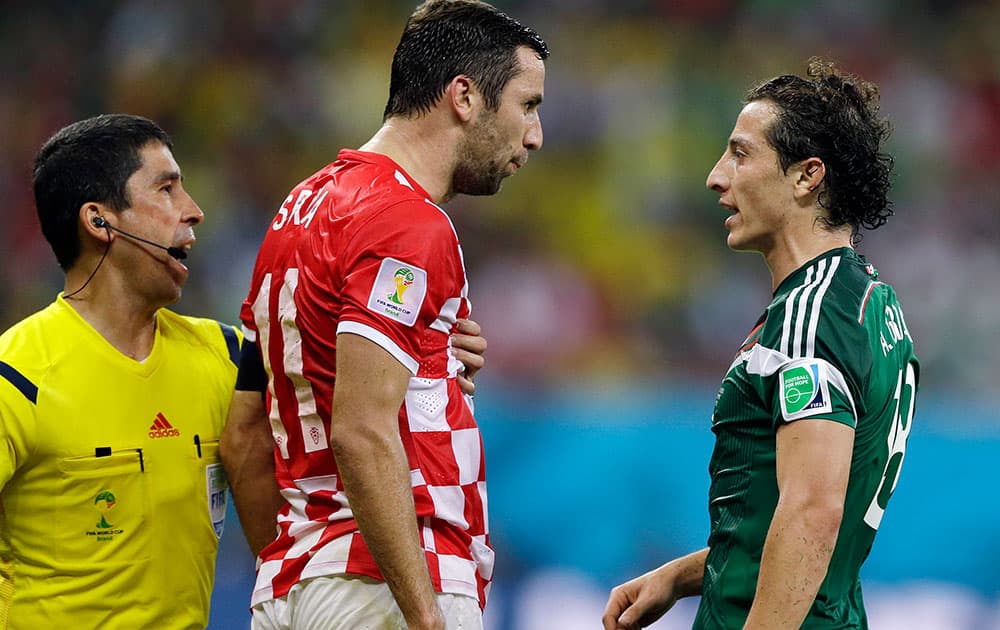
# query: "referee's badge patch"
805,390
399,291
215,479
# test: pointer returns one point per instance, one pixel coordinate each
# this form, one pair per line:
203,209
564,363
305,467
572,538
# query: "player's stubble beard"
479,170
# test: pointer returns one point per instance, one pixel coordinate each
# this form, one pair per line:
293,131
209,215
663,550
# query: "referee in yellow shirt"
111,406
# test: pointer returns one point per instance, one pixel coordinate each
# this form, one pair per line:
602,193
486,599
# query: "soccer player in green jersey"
813,414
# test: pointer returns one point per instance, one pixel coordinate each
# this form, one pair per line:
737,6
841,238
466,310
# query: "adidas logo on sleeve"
161,428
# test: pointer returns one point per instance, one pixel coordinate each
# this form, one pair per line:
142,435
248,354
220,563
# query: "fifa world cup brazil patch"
106,529
805,390
399,291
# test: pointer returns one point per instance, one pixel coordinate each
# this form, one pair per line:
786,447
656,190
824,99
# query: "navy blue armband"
251,376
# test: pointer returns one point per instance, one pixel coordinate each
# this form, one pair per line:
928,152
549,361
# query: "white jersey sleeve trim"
764,361
382,340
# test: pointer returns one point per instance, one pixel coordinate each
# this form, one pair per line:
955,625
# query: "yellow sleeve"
17,424
17,421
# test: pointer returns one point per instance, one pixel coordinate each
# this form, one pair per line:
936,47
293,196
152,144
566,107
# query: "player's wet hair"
87,161
447,38
835,117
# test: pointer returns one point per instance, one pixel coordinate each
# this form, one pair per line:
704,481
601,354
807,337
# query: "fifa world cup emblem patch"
398,291
104,501
105,529
404,280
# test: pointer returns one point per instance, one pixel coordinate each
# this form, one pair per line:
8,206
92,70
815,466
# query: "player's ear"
809,176
463,97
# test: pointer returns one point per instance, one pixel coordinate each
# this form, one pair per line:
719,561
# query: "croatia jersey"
832,345
360,248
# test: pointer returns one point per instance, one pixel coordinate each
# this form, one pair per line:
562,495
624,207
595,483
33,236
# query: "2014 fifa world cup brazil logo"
403,279
108,500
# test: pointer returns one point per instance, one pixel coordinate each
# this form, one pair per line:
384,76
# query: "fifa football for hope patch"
805,390
399,291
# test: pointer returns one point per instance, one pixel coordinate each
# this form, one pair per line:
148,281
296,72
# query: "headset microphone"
175,252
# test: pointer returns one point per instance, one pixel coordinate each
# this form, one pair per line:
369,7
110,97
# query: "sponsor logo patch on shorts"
399,291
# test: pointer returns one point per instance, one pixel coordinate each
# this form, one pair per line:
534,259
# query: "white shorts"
350,602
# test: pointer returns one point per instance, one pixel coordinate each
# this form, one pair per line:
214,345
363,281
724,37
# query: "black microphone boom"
175,252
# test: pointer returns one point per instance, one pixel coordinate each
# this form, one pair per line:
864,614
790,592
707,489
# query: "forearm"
640,602
376,477
797,552
247,452
687,573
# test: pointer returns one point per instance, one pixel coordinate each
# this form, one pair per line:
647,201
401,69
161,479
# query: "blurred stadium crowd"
605,260
601,267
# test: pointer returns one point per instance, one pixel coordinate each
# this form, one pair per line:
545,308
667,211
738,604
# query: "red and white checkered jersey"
359,248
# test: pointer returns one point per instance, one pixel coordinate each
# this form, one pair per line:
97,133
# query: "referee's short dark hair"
87,161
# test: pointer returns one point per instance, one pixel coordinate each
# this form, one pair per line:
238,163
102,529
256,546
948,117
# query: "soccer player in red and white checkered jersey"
358,284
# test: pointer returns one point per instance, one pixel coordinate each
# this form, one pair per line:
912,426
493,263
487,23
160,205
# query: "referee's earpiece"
98,221
175,252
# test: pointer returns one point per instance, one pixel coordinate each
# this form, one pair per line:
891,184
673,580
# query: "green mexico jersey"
832,344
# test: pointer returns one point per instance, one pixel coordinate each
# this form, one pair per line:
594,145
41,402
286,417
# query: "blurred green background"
600,273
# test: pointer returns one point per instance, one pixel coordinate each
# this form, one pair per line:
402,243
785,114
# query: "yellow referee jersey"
113,495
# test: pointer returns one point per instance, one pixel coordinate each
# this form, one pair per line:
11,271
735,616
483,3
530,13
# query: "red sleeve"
399,269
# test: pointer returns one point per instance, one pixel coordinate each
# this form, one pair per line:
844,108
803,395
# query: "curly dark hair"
446,38
834,116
